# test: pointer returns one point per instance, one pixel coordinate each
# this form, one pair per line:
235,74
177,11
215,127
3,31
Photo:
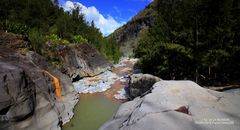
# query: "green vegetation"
44,20
193,39
55,40
13,27
36,39
110,50
79,39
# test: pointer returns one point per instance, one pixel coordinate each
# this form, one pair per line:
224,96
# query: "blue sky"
108,15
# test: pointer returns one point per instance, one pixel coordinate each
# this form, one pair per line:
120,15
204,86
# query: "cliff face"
27,91
128,35
30,97
83,61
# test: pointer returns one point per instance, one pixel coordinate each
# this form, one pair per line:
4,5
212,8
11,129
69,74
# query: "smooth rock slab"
178,105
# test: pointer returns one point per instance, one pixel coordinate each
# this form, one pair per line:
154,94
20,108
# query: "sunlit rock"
178,105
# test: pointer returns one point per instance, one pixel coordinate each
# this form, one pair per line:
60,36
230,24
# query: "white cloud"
106,24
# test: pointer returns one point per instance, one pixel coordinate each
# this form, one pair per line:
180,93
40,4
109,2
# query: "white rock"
178,105
121,95
103,82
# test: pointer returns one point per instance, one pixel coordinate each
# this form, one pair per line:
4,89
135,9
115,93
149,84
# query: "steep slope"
33,93
128,35
82,61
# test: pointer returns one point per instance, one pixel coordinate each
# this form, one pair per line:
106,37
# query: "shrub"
79,39
37,40
13,27
53,38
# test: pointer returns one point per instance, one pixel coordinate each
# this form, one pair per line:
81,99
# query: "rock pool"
91,112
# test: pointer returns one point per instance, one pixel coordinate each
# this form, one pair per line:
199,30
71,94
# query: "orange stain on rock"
56,84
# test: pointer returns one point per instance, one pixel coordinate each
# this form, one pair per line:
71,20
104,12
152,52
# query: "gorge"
174,65
45,109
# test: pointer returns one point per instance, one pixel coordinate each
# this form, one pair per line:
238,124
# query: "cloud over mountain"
106,24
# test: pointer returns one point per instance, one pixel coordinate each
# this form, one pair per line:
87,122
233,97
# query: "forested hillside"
193,39
44,22
129,35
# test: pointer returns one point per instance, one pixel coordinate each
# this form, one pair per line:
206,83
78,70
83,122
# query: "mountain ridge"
128,35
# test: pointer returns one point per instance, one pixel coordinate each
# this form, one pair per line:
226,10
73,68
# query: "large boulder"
178,105
17,96
83,61
27,90
141,84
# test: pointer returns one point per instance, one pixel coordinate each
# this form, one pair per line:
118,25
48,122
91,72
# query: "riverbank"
100,96
116,78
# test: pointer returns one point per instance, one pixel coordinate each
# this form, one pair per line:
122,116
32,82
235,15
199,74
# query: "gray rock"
140,84
83,61
178,105
27,93
17,95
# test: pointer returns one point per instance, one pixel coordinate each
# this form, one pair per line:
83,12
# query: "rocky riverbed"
118,75
99,96
33,93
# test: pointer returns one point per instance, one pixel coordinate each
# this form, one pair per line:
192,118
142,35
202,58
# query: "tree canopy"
46,19
193,39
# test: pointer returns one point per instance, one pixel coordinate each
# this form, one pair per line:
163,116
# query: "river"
97,102
96,106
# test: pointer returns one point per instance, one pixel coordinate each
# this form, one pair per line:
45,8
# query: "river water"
91,112
96,106
97,102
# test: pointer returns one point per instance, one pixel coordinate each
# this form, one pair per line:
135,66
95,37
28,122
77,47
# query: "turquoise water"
91,112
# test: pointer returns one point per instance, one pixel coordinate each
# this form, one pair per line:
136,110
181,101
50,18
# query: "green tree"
37,40
44,20
201,34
